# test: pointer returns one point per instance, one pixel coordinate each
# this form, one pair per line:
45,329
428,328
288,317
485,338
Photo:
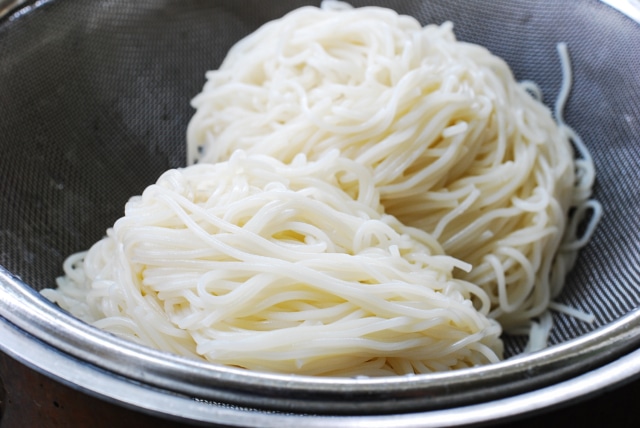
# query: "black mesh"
94,104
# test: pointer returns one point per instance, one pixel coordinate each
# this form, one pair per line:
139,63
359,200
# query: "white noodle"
457,147
381,193
257,264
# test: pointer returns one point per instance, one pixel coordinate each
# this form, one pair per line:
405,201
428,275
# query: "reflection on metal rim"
7,6
631,8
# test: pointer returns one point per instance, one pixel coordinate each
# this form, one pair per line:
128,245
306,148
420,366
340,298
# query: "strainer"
94,103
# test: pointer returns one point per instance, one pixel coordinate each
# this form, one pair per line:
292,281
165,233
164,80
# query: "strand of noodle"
574,313
578,216
475,228
539,333
533,88
567,79
474,194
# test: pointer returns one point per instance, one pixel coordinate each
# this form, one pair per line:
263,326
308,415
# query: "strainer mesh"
94,104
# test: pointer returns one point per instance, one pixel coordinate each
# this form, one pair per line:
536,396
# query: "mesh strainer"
94,103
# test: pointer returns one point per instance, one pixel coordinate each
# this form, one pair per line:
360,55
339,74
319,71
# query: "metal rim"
32,314
151,401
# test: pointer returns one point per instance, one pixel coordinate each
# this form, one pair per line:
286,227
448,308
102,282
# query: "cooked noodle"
370,196
457,147
273,267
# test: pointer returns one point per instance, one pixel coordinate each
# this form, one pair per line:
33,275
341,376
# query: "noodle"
457,147
273,267
365,196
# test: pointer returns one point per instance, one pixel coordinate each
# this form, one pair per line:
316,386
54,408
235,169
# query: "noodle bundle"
364,196
456,146
282,268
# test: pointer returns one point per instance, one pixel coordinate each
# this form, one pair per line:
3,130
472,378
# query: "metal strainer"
94,104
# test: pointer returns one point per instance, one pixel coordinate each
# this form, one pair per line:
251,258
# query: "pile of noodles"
457,147
273,267
369,197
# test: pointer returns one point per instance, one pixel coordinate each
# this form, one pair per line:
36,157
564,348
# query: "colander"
94,104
